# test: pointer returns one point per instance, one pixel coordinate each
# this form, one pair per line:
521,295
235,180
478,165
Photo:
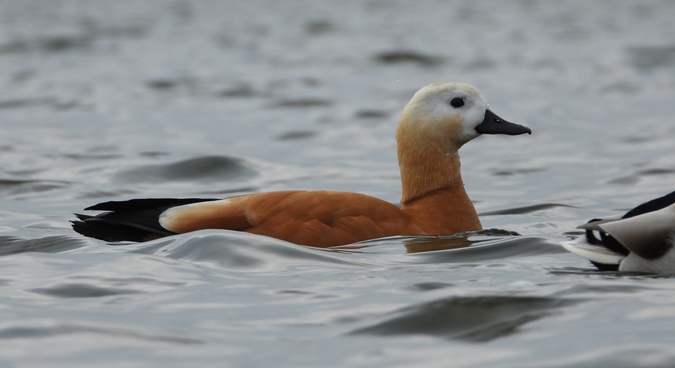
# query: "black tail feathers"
133,220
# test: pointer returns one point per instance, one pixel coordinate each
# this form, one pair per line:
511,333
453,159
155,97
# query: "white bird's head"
451,114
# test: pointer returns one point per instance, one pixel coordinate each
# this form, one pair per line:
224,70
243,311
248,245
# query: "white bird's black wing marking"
597,236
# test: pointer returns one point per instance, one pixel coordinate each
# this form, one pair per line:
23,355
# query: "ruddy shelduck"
438,120
642,240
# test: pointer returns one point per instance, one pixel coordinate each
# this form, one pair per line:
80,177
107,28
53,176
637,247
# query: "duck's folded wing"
317,218
227,214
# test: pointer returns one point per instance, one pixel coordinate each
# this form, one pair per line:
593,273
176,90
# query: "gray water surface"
105,100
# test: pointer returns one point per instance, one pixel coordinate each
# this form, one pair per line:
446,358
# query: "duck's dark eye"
457,102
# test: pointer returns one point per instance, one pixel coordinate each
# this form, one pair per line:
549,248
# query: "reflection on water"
476,319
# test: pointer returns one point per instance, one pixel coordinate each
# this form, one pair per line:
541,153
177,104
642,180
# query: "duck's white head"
454,113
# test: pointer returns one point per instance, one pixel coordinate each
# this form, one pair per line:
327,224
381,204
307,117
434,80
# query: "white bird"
640,241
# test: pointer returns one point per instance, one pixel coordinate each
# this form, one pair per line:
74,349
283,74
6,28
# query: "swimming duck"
438,120
640,241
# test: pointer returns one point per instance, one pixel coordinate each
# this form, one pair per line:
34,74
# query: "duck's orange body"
431,130
327,218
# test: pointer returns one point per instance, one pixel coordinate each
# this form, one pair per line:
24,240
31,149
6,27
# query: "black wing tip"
93,208
116,205
81,217
109,232
145,203
134,220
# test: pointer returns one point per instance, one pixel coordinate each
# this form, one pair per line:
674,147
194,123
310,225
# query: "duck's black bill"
493,124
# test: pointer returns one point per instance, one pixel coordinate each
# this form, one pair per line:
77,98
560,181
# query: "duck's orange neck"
423,174
428,161
432,188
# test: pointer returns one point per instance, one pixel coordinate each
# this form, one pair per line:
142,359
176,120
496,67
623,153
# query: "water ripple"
475,319
239,251
78,290
36,329
200,168
50,244
526,209
10,187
